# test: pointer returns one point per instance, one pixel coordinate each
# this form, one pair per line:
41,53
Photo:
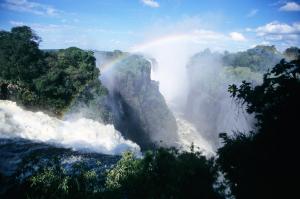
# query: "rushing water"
80,134
16,153
188,135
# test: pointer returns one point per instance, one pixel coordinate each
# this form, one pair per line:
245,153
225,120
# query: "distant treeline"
263,163
259,58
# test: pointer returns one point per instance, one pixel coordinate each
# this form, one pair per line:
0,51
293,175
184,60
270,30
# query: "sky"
127,24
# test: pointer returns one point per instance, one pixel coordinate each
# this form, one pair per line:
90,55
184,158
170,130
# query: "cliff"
138,108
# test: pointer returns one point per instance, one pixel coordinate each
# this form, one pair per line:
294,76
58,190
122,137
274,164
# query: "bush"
261,164
164,173
40,80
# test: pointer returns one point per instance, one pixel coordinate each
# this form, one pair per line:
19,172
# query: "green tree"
263,163
50,80
258,59
20,58
292,53
70,72
56,181
164,173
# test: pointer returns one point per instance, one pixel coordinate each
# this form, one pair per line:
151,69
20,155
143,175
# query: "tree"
258,59
292,53
70,72
21,62
164,173
263,163
20,58
49,80
53,180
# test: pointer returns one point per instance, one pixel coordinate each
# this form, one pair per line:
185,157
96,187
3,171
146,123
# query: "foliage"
20,58
262,163
127,166
292,53
164,173
48,80
53,179
235,74
258,59
70,72
259,164
57,182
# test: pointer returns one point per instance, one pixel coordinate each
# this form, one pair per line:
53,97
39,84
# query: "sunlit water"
80,134
189,135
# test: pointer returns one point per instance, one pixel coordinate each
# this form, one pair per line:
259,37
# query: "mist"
194,84
209,105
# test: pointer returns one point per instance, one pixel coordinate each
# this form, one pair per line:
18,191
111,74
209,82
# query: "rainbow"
108,65
140,48
161,40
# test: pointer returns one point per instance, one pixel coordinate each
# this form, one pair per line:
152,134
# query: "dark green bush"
40,80
263,163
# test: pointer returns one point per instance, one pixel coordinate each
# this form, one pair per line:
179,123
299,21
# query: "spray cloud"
195,87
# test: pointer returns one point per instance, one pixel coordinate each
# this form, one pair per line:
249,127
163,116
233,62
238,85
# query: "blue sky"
121,24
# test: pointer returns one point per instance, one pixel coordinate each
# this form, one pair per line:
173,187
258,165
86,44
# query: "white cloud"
277,28
151,3
252,13
282,35
290,6
30,7
196,32
236,36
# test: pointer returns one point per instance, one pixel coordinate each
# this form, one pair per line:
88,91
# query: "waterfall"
79,134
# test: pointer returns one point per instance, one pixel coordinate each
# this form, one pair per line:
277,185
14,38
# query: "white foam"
80,134
188,135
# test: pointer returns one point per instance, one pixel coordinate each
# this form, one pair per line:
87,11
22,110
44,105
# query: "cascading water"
187,132
188,135
80,134
197,91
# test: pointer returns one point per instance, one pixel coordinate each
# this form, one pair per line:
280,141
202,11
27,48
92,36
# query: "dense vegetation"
259,164
262,163
44,80
163,173
259,58
291,53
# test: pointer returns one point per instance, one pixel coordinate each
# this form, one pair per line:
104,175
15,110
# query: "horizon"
109,25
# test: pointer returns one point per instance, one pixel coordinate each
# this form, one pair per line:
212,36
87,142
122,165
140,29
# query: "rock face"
138,108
